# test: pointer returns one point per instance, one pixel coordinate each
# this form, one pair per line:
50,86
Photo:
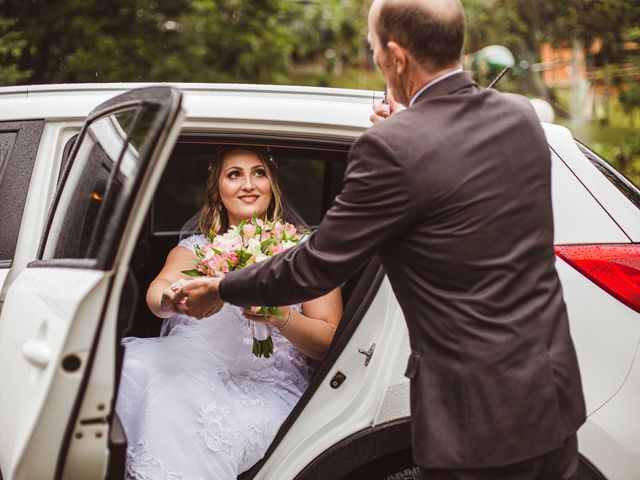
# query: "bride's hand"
166,304
250,313
198,298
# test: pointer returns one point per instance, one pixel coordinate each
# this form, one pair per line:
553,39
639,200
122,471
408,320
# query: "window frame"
16,173
161,97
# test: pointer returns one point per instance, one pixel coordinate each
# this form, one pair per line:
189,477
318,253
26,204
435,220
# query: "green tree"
630,100
238,40
145,40
334,30
11,44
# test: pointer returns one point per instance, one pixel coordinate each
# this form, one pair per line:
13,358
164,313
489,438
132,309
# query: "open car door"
60,308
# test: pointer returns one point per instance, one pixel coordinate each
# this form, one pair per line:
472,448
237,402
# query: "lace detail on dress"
247,391
254,440
192,241
216,428
141,465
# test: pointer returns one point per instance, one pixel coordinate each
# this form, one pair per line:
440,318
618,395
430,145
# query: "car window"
97,186
625,186
310,179
7,141
18,147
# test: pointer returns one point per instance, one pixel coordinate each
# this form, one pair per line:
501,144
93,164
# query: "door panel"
54,325
56,307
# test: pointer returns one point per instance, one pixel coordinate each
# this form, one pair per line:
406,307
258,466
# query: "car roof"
258,89
348,108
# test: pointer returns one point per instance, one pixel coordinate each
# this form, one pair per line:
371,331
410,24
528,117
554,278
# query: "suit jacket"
454,195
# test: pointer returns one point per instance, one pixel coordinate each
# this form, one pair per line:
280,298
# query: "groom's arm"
375,205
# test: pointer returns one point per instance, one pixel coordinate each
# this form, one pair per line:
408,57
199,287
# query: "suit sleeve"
376,204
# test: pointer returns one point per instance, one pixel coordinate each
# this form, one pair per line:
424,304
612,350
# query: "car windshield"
625,186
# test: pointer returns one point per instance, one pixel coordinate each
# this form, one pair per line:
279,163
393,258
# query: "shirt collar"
434,81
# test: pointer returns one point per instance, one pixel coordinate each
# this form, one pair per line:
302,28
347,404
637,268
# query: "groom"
453,194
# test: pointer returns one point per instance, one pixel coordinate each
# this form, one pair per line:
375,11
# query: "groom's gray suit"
454,196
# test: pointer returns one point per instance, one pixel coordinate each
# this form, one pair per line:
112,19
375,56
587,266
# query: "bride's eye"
259,172
233,174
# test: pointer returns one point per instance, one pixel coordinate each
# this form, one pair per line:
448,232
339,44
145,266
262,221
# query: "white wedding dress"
196,404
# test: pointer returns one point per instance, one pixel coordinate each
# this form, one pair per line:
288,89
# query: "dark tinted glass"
310,179
19,143
99,184
7,140
625,186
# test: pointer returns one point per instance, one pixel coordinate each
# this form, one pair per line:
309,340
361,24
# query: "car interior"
310,174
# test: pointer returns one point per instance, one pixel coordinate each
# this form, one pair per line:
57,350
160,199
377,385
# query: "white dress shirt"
434,81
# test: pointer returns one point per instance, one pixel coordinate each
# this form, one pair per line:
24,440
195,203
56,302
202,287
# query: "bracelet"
286,322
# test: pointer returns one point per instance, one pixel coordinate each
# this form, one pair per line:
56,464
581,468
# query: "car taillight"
613,267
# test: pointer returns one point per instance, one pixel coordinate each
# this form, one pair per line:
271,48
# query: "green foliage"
333,31
630,99
617,142
175,40
145,40
525,24
238,40
11,44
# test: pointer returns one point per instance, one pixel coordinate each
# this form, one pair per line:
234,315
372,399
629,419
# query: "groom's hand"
382,111
198,298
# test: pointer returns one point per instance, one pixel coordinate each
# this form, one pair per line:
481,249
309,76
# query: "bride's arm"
179,259
311,330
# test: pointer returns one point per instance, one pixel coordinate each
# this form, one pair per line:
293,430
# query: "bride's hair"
213,215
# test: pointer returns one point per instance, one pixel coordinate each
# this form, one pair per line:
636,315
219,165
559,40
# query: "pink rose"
233,258
290,230
212,266
277,230
223,266
248,231
266,235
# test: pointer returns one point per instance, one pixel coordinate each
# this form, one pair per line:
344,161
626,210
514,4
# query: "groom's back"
474,273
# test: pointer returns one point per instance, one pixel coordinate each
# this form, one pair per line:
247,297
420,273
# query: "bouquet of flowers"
252,241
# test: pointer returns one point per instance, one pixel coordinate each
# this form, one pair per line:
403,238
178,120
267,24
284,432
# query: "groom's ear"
399,56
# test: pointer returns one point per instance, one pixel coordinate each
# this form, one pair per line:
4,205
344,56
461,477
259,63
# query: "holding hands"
198,298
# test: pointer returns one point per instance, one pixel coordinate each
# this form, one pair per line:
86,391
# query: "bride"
196,404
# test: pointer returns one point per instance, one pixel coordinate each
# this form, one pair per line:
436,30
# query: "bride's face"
244,187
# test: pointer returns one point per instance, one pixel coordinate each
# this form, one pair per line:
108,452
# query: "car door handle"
37,352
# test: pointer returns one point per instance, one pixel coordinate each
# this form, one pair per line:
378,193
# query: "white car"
89,213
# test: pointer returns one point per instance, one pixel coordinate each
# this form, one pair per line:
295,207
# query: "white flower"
254,248
228,242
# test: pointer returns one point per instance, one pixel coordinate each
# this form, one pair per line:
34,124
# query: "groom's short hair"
431,30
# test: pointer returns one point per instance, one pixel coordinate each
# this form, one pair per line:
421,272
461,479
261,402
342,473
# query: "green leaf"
264,246
193,273
245,257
